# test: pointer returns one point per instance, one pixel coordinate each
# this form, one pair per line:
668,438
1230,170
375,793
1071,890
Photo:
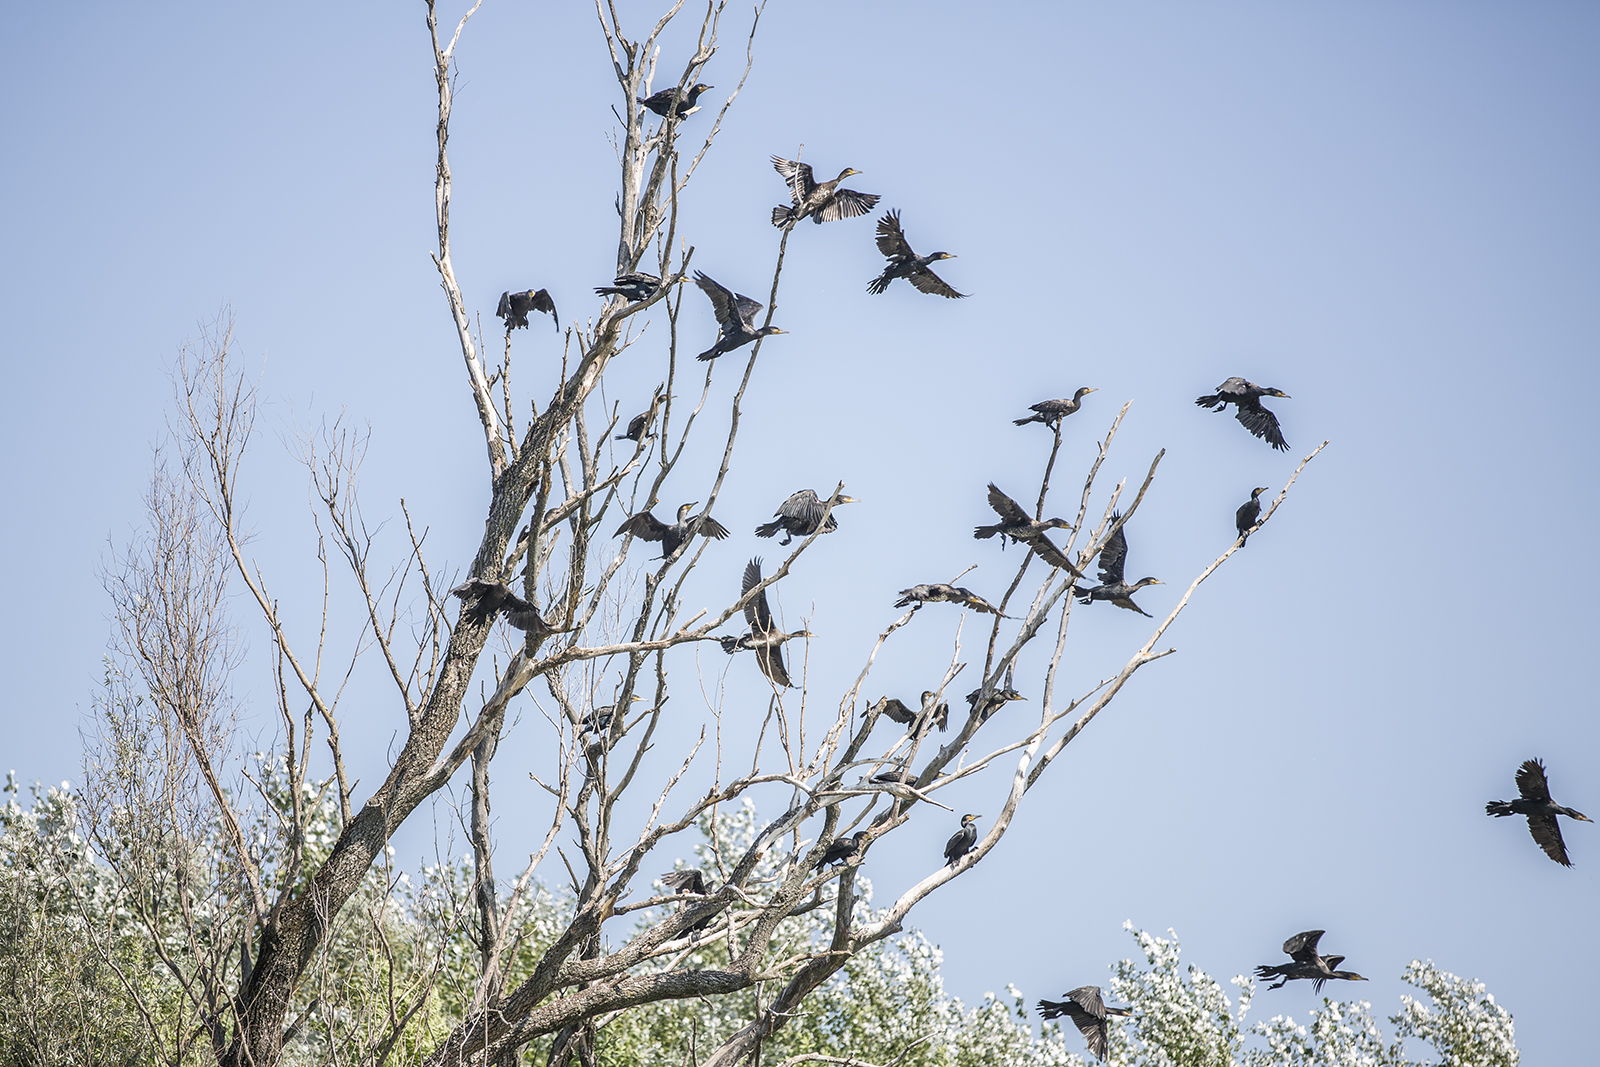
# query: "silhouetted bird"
801,515
736,315
483,598
1302,948
646,527
1541,811
1246,397
822,201
514,308
1112,587
940,593
1088,1013
895,710
904,263
1015,523
962,841
1247,514
633,286
998,698
661,102
1051,412
764,637
844,849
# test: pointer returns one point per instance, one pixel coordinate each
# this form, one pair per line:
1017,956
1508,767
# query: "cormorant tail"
1497,807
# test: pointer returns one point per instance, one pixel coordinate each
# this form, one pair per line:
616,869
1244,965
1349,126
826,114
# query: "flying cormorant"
1541,811
904,263
736,315
822,201
1246,397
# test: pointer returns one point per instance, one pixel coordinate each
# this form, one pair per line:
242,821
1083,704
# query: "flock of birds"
804,513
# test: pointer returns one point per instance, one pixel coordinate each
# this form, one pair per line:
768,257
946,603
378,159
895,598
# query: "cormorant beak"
1094,390
776,330
1585,818
1286,396
849,500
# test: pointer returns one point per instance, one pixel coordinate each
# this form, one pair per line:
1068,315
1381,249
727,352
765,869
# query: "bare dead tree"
609,629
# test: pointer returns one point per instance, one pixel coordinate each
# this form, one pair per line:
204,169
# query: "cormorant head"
1286,396
1085,391
700,88
941,255
684,509
843,174
1256,493
1057,524
1142,582
840,498
768,331
1578,815
967,820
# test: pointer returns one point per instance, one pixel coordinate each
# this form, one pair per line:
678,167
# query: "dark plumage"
1088,1013
801,515
822,201
998,698
940,593
1246,397
904,263
1248,513
514,308
1306,963
483,598
633,286
690,881
661,102
895,710
764,637
1016,524
846,848
961,841
646,527
1541,811
594,729
637,427
736,316
1051,412
1112,587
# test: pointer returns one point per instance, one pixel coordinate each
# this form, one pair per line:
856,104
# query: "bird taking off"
764,637
1051,412
821,201
1112,587
483,598
904,263
661,102
1541,811
940,593
1248,513
1306,963
1088,1013
962,841
1246,398
801,516
646,527
736,316
514,308
1015,523
632,286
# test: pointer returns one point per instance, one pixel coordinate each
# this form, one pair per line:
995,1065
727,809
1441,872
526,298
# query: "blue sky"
1387,211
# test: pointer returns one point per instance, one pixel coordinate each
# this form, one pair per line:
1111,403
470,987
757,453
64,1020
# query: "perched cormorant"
1302,948
1246,396
1112,587
634,285
1051,412
690,881
998,698
823,201
637,427
1088,1013
483,597
736,315
801,514
594,729
1541,811
764,636
895,710
844,848
904,263
514,308
961,841
1016,524
646,527
1248,513
661,102
940,593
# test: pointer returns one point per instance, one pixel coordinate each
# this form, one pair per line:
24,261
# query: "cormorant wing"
709,527
770,659
1333,961
504,307
1262,423
1050,554
804,507
1531,782
1303,946
691,881
891,242
848,204
644,526
722,302
928,282
1114,554
747,309
1235,387
1005,507
896,711
1547,832
1088,998
797,175
542,301
756,611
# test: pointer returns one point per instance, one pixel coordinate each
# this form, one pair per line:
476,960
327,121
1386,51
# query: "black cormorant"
1016,524
594,729
1051,412
844,849
483,597
904,263
1246,397
1088,1013
646,527
940,593
1302,948
661,102
637,427
822,201
961,841
1541,811
690,881
635,286
1248,513
736,315
801,514
998,698
1112,587
514,308
895,710
764,636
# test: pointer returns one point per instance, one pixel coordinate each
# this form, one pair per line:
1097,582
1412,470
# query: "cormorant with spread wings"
736,315
1018,525
801,515
1112,587
483,597
1541,811
1306,963
1088,1013
904,263
646,527
514,308
764,637
822,201
941,593
633,287
1246,398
